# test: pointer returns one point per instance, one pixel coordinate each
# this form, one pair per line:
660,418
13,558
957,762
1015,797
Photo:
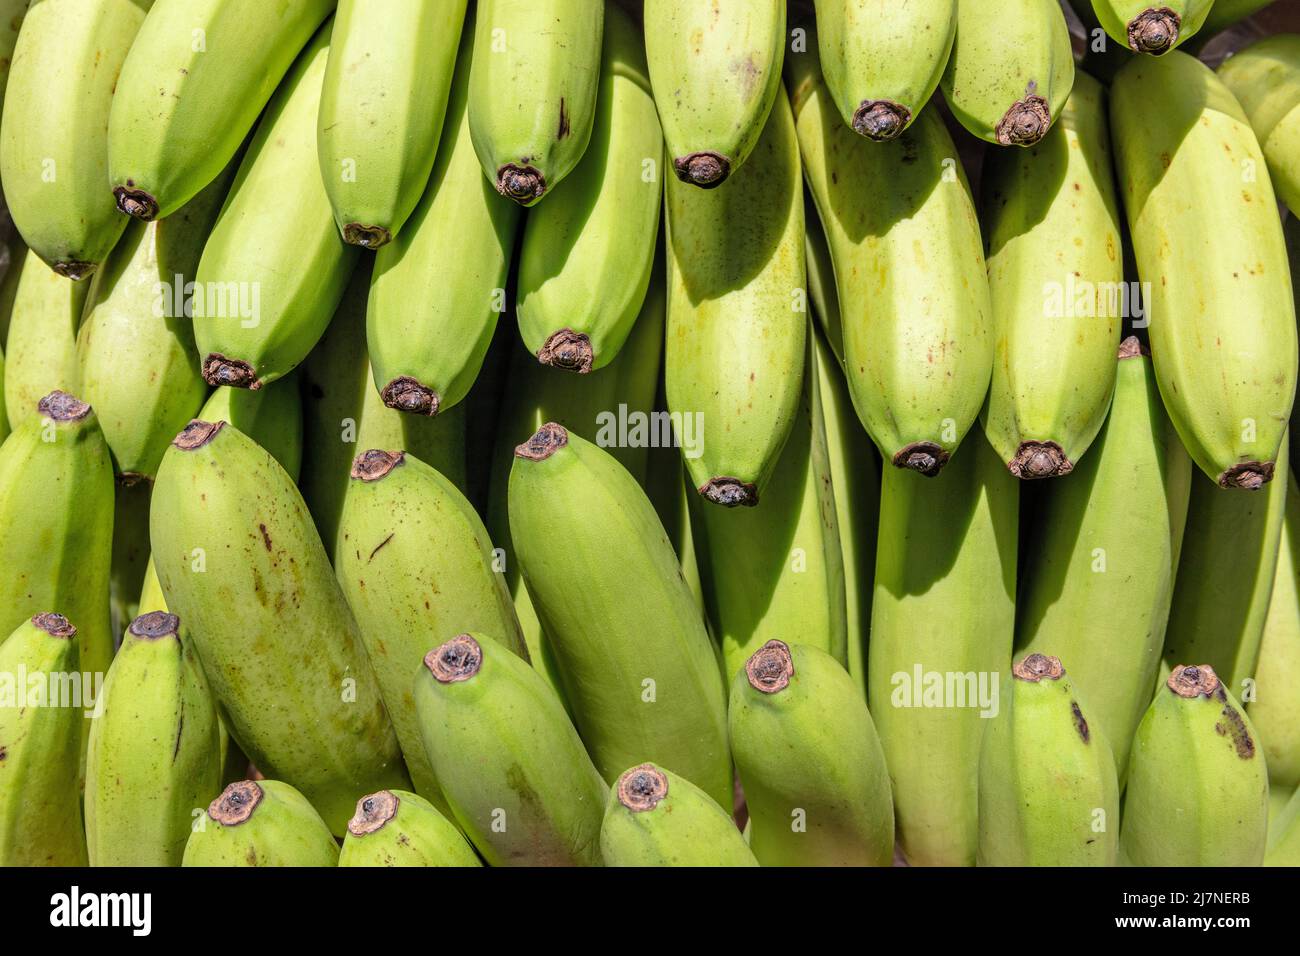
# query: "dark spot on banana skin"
1233,726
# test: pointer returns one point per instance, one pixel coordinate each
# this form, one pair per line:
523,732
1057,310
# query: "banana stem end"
568,350
730,492
405,394
641,788
1154,31
136,203
704,169
881,120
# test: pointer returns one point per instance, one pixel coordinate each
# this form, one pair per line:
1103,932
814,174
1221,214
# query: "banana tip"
1249,475
236,803
59,406
373,811
405,394
155,625
1194,680
1132,347
74,269
730,492
197,434
221,370
1040,459
704,169
524,184
55,625
136,203
770,668
924,457
1154,31
368,237
568,350
1025,123
1036,667
457,660
544,443
881,120
641,788
375,463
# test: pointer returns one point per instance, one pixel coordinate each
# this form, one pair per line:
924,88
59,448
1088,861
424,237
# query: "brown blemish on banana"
373,812
266,536
1040,459
1035,667
62,407
375,464
405,394
1080,724
457,660
55,625
1027,121
368,237
129,479
704,169
1154,31
236,803
136,202
1193,680
770,668
641,788
197,434
523,184
74,269
544,443
1233,726
1249,475
564,129
881,120
379,547
730,492
568,350
220,369
156,625
923,457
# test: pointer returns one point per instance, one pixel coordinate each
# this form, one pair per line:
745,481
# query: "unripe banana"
437,290
1056,285
398,828
532,92
1011,69
506,756
587,254
192,88
261,823
810,762
1225,576
737,315
1284,836
381,110
655,817
4,417
1151,26
53,137
415,563
910,273
271,416
274,268
942,617
1197,786
1100,548
1265,79
239,560
12,13
1048,794
154,752
777,570
41,350
1228,384
883,60
598,565
40,799
716,71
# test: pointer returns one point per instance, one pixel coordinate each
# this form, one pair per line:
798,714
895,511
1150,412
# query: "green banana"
656,818
274,268
1048,794
1151,26
810,762
4,417
40,800
1225,577
716,71
509,762
1197,786
910,273
41,350
403,829
1265,79
154,749
271,416
12,13
942,617
381,110
195,83
1054,251
532,92
416,563
1100,548
1228,385
1284,836
437,290
1223,14
587,255
1011,69
238,560
737,316
598,566
53,144
778,570
883,60
260,823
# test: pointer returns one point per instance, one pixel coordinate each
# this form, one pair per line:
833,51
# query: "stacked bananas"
919,491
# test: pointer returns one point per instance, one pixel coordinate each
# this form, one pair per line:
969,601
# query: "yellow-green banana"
1197,786
53,142
1284,835
883,59
598,566
1056,284
809,760
397,828
1010,70
4,417
941,623
532,94
260,823
737,315
155,749
655,817
12,13
239,560
41,350
509,762
381,110
1151,26
437,290
716,71
1209,247
587,254
274,268
192,88
271,416
910,274
40,800
1265,79
1048,794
